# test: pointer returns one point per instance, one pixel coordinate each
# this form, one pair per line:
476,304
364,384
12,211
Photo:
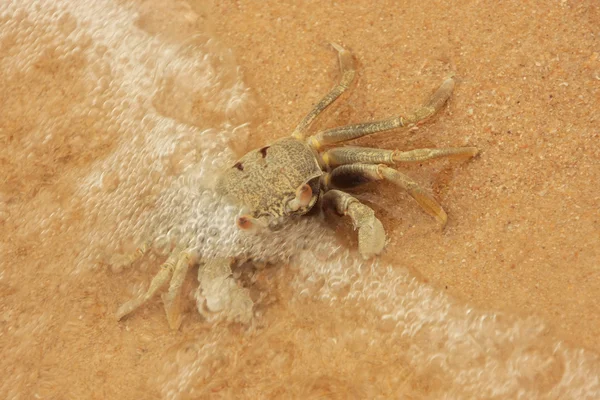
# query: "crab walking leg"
349,132
352,175
125,260
348,72
350,155
157,282
172,299
371,235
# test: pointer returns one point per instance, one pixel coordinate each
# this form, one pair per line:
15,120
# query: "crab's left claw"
219,296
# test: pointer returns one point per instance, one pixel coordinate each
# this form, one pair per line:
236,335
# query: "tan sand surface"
104,106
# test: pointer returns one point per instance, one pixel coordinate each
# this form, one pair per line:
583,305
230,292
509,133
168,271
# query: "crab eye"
245,222
303,196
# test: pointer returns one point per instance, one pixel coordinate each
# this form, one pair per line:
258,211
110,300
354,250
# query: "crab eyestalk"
302,199
247,222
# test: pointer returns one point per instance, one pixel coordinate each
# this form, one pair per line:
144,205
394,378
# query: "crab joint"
315,142
303,196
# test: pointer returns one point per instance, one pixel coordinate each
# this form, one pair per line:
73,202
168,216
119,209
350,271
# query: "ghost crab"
288,178
290,175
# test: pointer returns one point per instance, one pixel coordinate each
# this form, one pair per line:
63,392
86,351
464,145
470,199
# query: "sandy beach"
108,108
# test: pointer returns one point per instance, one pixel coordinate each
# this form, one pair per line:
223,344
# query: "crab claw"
219,296
371,235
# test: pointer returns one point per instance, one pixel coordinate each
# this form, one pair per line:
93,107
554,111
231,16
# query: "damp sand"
106,106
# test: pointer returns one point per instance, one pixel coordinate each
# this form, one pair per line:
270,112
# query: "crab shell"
267,182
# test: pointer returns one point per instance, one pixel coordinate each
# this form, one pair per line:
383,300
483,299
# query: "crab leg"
349,132
351,175
348,72
172,299
157,282
350,155
371,235
125,260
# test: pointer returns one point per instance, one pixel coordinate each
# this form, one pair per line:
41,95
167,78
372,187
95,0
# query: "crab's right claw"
371,235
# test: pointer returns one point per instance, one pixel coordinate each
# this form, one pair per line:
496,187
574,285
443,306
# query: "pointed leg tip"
337,47
122,312
442,219
173,316
465,153
174,322
449,83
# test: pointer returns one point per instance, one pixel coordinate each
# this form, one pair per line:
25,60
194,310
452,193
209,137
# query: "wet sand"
502,302
524,226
